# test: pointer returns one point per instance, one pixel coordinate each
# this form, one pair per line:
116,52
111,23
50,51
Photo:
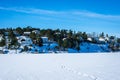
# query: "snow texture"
103,66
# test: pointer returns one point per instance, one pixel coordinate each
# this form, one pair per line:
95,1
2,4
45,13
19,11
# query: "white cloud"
31,10
96,15
62,13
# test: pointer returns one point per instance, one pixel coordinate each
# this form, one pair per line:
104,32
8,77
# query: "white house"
36,31
27,33
89,39
45,39
24,40
102,39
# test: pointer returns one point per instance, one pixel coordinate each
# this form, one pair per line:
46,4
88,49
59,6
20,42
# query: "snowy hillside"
86,47
60,66
90,47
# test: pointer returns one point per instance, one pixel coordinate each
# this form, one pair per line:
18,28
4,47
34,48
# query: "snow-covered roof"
101,39
27,33
27,40
44,37
36,31
89,39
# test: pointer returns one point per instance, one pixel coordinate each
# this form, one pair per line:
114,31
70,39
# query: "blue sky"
80,15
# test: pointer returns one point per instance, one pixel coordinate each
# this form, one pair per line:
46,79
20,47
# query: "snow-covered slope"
90,47
60,66
87,47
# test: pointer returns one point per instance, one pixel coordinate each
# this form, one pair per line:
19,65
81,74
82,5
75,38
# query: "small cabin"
45,39
36,31
27,33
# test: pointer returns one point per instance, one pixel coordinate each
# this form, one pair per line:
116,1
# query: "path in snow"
90,77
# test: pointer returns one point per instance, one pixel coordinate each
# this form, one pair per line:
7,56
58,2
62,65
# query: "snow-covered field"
99,66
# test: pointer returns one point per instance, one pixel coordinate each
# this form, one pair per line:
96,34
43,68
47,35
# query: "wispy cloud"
61,13
30,10
96,15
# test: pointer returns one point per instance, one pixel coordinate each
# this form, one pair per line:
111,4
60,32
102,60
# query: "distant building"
27,33
24,40
15,33
89,39
36,31
45,39
102,39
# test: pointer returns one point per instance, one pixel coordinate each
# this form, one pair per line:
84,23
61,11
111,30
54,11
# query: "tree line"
65,38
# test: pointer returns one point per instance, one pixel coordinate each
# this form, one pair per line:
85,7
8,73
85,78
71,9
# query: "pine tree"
84,35
33,36
102,35
65,44
39,41
19,30
118,40
2,42
12,39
